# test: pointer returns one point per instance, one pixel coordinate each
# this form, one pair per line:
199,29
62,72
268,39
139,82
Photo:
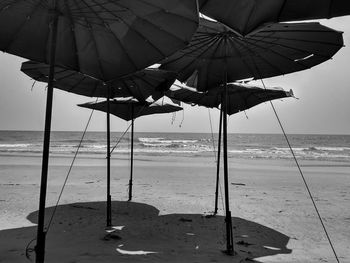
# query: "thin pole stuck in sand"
41,234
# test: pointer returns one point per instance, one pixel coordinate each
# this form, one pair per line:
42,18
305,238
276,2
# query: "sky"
322,105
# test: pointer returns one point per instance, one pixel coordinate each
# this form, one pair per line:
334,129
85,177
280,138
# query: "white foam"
136,253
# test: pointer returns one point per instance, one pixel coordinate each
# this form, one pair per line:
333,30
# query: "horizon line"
263,133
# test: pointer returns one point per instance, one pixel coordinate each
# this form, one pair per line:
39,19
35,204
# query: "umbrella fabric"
101,38
243,16
123,109
140,85
240,97
273,50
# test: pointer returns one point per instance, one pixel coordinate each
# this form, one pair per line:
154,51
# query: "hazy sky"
323,105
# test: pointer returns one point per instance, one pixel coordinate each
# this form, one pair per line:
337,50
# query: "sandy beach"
273,217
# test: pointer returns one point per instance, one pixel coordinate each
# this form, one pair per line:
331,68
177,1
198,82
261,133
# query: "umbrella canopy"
244,16
131,109
140,85
273,50
102,38
240,96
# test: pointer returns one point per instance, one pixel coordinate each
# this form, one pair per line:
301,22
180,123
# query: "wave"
15,145
248,146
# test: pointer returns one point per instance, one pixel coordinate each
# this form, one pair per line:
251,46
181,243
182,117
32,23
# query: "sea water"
266,146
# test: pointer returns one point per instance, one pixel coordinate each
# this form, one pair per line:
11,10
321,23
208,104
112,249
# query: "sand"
273,217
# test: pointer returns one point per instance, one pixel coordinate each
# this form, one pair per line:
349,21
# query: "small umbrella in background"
130,110
243,16
102,38
143,85
240,97
218,55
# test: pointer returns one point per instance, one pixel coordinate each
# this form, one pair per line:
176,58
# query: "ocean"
263,146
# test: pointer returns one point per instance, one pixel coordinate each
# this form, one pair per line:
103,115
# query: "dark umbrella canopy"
244,16
102,38
240,97
140,85
273,50
124,108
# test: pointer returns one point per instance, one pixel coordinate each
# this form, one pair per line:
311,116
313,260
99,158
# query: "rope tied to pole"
69,171
303,178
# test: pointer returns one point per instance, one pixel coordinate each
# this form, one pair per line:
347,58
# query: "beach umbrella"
269,51
240,97
243,16
145,84
217,55
102,38
130,110
149,82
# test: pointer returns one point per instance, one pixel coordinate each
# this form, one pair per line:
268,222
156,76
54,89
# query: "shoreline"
266,192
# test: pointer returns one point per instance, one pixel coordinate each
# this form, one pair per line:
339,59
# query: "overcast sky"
323,106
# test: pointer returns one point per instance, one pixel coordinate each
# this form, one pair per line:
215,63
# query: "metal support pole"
228,219
218,165
109,198
132,152
41,233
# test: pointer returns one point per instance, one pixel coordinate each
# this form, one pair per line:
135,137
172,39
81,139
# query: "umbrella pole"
132,152
218,166
109,198
41,233
228,219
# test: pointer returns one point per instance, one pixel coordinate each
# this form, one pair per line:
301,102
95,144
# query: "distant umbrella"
130,110
240,97
218,55
243,16
102,38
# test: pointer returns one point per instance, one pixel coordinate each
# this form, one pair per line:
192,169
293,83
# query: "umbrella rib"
257,55
95,44
274,52
21,27
257,37
237,50
74,36
188,50
90,10
293,48
220,40
148,22
281,10
182,17
126,52
296,49
195,59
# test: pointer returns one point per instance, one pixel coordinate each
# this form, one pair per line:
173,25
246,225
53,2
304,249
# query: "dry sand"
274,220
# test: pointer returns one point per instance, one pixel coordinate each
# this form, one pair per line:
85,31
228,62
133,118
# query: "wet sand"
273,216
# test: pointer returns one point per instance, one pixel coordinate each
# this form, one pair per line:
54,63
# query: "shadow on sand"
77,234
